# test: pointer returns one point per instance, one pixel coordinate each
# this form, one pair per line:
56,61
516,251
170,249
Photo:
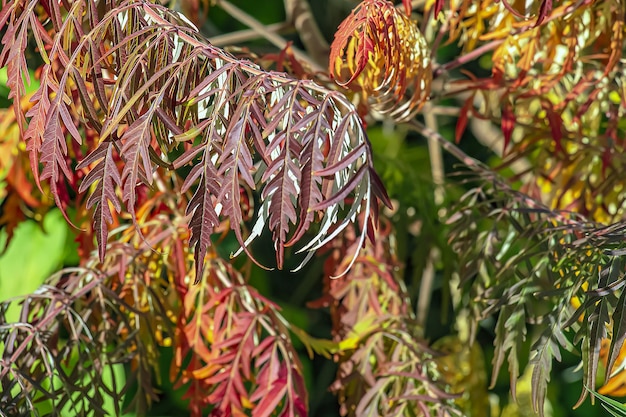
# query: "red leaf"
107,179
309,184
342,193
461,123
544,10
556,125
34,135
270,401
438,7
14,42
137,165
356,22
408,7
507,124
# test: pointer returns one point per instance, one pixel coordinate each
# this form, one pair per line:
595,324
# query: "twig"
444,110
272,37
487,173
437,172
436,159
246,35
468,161
299,14
470,56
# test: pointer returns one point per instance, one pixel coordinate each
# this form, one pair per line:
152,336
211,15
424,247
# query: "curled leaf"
381,52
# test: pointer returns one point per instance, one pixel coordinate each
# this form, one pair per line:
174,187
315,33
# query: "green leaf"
616,408
32,255
619,332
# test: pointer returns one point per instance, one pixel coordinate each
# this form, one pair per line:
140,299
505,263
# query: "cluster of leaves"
527,263
140,128
64,355
164,97
20,198
233,349
557,85
384,368
381,53
142,125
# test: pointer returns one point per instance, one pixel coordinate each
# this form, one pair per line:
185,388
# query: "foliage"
233,350
615,408
560,110
382,51
167,152
384,368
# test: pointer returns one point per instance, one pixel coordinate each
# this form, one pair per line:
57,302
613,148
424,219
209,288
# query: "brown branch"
262,30
299,14
246,35
437,172
488,174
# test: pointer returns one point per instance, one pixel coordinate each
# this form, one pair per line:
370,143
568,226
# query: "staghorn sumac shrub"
184,164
